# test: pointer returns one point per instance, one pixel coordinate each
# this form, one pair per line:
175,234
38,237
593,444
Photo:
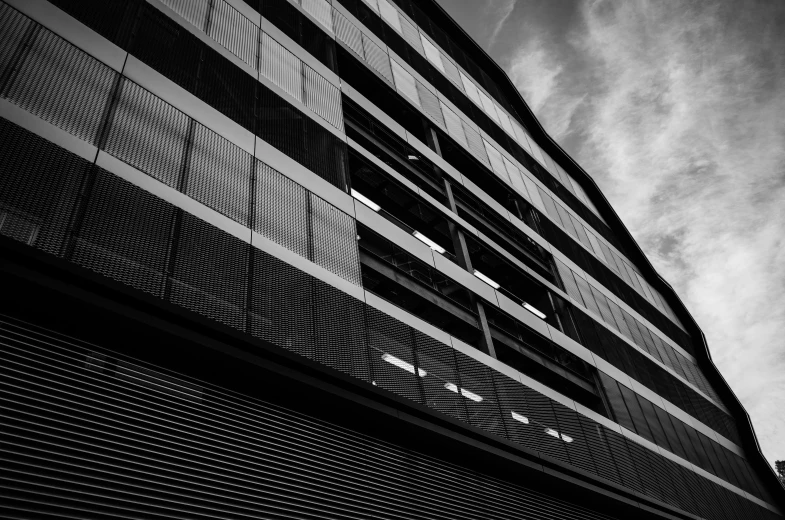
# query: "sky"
677,110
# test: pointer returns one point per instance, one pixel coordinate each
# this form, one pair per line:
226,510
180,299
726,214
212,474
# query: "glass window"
515,177
432,53
471,90
405,83
636,413
595,244
520,134
390,15
616,401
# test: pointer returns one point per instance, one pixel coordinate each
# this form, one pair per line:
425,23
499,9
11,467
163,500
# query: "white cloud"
503,11
680,121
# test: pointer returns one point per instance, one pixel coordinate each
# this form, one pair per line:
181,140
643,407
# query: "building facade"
313,259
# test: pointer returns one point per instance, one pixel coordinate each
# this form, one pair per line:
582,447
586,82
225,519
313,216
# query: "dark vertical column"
459,244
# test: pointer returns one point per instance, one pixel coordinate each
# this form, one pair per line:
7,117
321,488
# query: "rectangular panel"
581,233
125,234
476,146
454,126
602,304
391,355
430,104
281,306
405,83
63,85
346,32
39,186
534,193
323,97
194,11
281,210
452,72
588,298
334,236
390,15
550,206
476,388
437,360
411,35
234,31
636,413
470,89
339,328
432,53
566,220
497,164
597,437
489,107
219,175
281,67
504,119
148,134
321,10
210,272
568,280
621,324
573,438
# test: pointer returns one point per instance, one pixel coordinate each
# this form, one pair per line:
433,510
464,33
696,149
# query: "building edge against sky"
314,259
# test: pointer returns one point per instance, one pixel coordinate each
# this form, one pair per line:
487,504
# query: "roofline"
531,122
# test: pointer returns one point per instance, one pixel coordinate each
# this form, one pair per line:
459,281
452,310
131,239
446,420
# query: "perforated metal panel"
124,233
430,104
346,32
219,174
60,84
280,66
476,386
334,236
476,146
377,59
281,306
39,186
441,376
454,125
193,11
14,30
321,10
411,35
340,339
210,272
281,210
148,134
391,353
323,97
234,31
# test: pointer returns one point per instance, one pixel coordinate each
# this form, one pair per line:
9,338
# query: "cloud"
503,11
676,110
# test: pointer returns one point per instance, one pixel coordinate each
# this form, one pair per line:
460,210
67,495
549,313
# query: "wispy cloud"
680,121
501,9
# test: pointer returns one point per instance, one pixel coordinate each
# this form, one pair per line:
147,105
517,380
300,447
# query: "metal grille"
219,175
193,11
377,59
346,32
39,185
441,376
148,134
143,441
14,28
281,67
125,234
391,352
321,11
411,35
476,146
454,126
281,210
323,97
334,240
339,325
281,305
61,84
430,104
210,272
233,31
477,389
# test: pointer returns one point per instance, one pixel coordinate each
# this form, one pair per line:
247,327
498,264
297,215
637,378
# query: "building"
313,260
